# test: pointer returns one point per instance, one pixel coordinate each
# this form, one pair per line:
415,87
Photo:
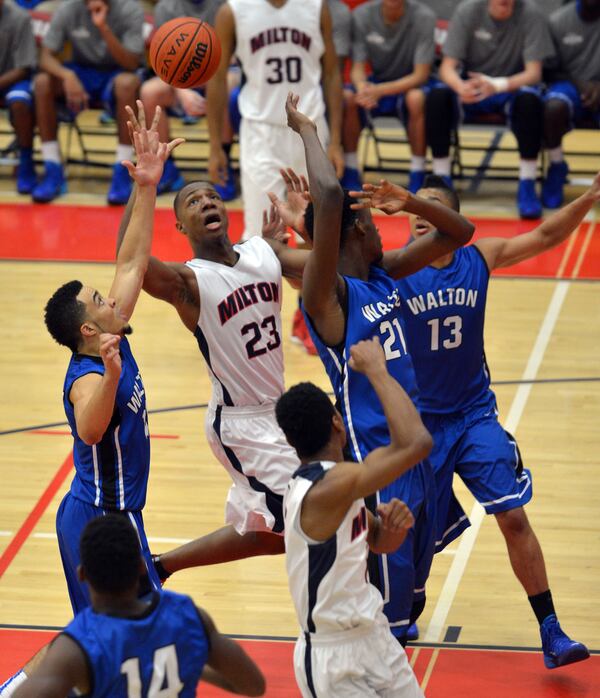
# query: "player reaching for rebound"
124,646
445,311
346,649
349,290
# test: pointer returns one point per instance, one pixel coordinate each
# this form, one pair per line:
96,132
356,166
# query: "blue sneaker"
527,200
412,633
52,185
351,179
552,188
188,120
558,647
227,191
415,180
171,179
120,187
26,177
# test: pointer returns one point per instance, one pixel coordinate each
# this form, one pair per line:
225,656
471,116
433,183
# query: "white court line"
52,536
459,563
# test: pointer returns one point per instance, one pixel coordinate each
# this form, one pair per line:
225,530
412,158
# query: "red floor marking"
591,260
88,233
52,432
31,521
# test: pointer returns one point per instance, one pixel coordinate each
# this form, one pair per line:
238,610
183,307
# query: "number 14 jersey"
239,325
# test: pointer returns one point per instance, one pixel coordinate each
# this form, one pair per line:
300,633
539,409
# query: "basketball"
185,52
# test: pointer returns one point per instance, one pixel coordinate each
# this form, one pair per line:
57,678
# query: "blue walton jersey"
161,653
112,474
373,310
444,318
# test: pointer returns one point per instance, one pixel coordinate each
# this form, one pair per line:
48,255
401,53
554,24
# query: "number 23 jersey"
239,325
280,49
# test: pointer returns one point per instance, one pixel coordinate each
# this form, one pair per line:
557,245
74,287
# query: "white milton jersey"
280,49
328,581
239,326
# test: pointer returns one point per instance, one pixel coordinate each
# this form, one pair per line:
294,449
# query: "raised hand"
297,199
273,226
395,516
387,197
150,152
296,119
98,10
109,353
367,357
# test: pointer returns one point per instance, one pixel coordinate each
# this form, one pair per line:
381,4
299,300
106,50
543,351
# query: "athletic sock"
51,152
417,163
124,152
441,166
527,169
351,160
542,605
11,685
556,154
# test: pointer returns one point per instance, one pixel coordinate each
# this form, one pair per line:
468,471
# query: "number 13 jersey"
239,325
280,49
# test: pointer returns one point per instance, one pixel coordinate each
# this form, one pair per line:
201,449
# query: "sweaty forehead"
197,188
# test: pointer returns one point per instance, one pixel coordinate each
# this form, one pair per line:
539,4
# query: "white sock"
51,152
417,163
441,166
351,160
10,686
556,154
527,169
124,152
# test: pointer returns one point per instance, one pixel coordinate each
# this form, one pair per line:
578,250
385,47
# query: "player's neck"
352,263
218,250
125,605
277,3
392,15
444,261
331,452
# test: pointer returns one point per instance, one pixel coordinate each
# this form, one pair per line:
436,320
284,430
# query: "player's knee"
415,102
513,523
155,91
556,111
19,109
42,84
527,105
127,86
349,100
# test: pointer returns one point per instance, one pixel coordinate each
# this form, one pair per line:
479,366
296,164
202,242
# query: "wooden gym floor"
478,634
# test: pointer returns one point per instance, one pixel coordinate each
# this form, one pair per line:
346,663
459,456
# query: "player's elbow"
421,445
89,437
467,232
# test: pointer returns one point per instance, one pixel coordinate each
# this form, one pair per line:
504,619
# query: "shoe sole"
63,190
575,654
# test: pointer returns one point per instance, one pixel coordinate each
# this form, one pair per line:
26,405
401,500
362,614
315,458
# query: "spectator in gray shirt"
492,61
107,46
574,95
18,57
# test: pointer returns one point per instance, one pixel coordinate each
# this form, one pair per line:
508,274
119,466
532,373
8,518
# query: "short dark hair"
64,315
110,553
187,184
349,217
304,414
433,181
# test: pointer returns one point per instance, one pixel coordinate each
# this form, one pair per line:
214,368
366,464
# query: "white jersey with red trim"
239,325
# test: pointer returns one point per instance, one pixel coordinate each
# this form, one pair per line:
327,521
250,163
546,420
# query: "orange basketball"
185,52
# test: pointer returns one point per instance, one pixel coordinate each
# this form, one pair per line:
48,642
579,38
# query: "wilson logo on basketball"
195,63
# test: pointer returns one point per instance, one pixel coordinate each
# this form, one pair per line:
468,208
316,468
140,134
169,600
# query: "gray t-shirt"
170,9
393,49
72,22
577,44
485,45
341,20
443,9
17,45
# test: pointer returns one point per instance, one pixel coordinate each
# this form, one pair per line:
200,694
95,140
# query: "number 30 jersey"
280,49
444,318
239,325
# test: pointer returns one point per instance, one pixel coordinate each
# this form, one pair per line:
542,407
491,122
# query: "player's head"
309,420
588,10
356,226
501,10
109,549
200,212
76,315
435,189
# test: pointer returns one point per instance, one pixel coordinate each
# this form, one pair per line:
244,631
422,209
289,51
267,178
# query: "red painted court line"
50,432
31,521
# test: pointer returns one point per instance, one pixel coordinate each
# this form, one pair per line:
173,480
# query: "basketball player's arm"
320,282
228,666
332,89
216,94
63,668
418,77
328,500
503,252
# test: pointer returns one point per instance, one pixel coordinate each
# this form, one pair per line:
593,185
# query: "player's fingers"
273,198
133,118
141,113
156,118
174,143
304,182
264,218
129,165
295,179
131,131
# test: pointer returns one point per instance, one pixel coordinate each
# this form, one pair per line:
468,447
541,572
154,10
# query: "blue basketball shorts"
71,518
485,456
567,92
98,83
403,574
501,103
18,92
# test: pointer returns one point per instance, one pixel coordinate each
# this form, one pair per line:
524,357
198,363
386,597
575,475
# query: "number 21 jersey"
239,325
280,49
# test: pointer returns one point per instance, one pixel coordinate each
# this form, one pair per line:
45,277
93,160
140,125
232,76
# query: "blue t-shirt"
444,318
165,648
112,474
373,309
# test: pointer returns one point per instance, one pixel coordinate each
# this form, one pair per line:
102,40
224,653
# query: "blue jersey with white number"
444,318
372,310
161,653
112,474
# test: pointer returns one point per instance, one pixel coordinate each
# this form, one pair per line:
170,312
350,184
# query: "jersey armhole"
88,662
68,392
480,253
206,635
339,348
298,526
